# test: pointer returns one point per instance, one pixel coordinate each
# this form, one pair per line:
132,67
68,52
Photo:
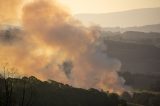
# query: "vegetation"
142,99
142,82
30,91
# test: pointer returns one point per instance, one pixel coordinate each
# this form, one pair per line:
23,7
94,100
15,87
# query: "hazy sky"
103,6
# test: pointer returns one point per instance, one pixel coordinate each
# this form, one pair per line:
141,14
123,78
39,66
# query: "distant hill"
138,81
146,38
135,58
146,28
137,17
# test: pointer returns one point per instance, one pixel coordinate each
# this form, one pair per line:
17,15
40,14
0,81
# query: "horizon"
107,6
79,60
136,9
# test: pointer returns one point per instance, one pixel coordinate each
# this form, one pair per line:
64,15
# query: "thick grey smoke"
67,67
53,45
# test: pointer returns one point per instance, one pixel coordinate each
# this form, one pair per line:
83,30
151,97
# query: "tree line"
30,91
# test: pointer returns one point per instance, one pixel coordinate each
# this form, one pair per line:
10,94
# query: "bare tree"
8,88
8,74
9,85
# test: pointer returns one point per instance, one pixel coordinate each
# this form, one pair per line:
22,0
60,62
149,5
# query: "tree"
126,96
9,84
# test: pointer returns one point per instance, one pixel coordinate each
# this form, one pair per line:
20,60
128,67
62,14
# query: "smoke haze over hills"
51,44
146,28
130,18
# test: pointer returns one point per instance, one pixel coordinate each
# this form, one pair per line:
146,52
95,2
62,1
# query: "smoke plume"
9,11
51,44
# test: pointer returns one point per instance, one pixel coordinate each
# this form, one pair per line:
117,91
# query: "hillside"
146,28
138,17
135,58
30,91
138,82
34,92
150,38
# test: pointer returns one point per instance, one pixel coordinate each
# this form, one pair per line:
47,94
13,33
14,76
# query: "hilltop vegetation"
30,91
145,28
149,38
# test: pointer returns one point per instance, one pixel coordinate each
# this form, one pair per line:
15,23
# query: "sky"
105,6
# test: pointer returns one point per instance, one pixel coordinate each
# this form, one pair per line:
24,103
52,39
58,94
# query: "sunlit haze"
79,52
105,6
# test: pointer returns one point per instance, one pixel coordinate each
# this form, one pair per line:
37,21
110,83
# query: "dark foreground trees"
15,92
33,92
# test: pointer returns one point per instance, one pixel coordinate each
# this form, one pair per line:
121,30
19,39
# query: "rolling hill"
137,17
146,28
135,58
